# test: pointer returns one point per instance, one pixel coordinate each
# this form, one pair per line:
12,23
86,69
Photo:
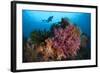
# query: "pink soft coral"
67,39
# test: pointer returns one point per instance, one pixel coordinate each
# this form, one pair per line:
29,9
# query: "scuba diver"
49,19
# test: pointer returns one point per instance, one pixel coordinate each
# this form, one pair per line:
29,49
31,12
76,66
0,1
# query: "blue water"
33,20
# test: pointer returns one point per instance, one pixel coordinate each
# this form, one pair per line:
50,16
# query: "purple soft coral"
67,39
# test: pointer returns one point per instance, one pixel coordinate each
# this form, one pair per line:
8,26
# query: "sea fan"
67,39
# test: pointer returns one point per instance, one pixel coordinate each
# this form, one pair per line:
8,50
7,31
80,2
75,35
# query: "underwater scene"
55,36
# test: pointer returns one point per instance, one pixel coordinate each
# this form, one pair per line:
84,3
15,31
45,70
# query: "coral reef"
62,42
